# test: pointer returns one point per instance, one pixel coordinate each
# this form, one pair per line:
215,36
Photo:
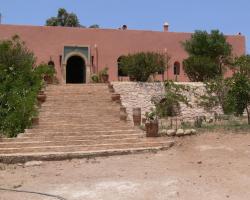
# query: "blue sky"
229,16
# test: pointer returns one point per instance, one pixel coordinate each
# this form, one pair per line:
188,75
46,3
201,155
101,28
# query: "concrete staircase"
78,121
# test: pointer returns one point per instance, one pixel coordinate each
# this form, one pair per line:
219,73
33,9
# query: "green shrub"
20,83
43,70
140,66
95,78
169,105
104,71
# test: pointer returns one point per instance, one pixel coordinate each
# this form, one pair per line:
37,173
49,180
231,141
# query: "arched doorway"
177,68
75,70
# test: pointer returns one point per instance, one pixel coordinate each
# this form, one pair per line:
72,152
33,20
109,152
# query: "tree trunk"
248,115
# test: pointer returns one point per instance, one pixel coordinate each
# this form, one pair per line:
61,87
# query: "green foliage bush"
20,83
216,95
95,78
169,105
239,94
140,66
231,94
104,71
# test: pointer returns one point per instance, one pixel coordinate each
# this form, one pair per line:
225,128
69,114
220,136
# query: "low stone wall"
135,94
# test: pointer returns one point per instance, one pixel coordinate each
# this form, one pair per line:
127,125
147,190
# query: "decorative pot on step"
152,128
131,78
48,79
111,88
137,116
35,121
41,97
105,78
116,97
143,120
123,113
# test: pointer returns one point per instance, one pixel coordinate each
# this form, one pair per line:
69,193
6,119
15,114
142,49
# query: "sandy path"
208,166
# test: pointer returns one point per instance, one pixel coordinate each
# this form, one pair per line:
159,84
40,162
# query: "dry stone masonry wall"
134,94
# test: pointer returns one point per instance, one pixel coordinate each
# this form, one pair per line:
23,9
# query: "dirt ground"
209,166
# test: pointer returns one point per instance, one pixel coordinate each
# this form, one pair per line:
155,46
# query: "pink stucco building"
79,52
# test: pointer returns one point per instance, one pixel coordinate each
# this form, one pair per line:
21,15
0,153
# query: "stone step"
58,137
103,97
55,143
83,115
83,130
79,92
76,148
84,125
90,153
90,104
74,86
78,113
37,132
44,121
80,110
81,120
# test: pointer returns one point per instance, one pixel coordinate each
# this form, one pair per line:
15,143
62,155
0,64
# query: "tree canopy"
94,26
242,64
63,18
143,64
239,93
208,55
231,94
67,19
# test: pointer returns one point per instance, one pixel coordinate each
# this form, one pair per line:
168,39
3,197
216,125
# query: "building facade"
76,53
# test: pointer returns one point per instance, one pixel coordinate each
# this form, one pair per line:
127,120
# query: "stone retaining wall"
135,94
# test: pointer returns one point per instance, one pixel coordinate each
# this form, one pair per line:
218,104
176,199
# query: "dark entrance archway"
75,70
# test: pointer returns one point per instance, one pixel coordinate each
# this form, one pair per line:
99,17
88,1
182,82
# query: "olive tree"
209,54
64,18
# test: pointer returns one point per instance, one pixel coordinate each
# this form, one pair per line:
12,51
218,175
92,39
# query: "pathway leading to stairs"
78,121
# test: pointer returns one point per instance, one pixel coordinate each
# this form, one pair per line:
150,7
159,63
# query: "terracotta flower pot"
131,78
105,78
48,79
111,88
35,121
41,97
123,113
137,116
116,97
152,128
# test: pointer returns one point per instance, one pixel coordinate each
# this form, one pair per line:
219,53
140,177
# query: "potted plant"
48,74
41,97
151,124
95,78
104,76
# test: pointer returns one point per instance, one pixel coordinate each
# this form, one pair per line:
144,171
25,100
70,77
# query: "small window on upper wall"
120,71
177,68
51,63
92,60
